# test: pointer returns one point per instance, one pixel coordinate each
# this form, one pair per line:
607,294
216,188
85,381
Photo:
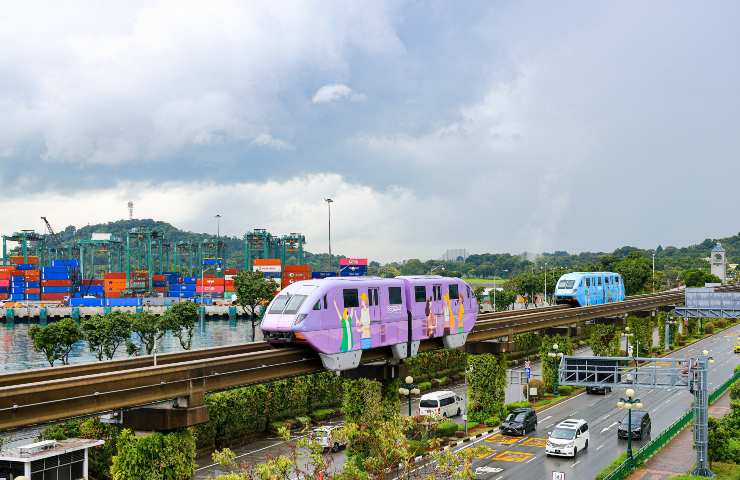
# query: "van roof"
434,395
571,423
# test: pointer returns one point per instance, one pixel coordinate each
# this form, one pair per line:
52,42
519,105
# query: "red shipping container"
209,281
32,275
4,296
33,291
158,278
92,281
231,271
53,296
57,283
112,275
297,268
6,268
4,283
18,259
229,284
209,289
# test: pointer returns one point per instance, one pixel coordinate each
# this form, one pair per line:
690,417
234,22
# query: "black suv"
519,422
602,390
641,425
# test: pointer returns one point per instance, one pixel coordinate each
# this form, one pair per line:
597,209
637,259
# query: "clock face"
718,257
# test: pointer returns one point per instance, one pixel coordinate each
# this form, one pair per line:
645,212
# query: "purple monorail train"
340,317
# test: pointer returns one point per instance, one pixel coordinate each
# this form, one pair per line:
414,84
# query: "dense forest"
669,260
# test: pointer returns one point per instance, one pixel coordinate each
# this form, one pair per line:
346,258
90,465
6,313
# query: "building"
50,459
455,255
718,262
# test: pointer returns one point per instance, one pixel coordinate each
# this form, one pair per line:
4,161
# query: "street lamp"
555,354
329,201
407,389
629,403
627,336
494,288
653,271
218,235
545,283
441,267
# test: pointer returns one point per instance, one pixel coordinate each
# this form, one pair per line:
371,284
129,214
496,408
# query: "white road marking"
499,478
607,428
575,464
530,459
599,447
546,418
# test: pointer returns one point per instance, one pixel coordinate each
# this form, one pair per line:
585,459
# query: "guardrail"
652,447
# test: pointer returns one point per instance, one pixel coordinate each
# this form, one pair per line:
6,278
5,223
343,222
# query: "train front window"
394,295
294,303
279,304
350,298
566,283
420,293
453,291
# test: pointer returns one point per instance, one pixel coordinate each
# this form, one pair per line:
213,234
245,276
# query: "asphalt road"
524,457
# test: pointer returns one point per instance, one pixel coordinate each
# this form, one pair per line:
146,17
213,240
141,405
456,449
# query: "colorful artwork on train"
589,288
341,317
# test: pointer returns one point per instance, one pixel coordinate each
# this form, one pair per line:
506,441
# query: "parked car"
600,390
567,438
519,422
444,403
641,425
737,345
327,438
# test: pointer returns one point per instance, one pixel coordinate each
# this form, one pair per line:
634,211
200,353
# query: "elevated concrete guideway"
112,385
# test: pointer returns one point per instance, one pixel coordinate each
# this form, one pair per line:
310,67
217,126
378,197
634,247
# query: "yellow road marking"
517,457
535,442
502,439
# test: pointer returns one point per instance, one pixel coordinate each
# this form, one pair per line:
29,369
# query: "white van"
567,438
444,403
327,438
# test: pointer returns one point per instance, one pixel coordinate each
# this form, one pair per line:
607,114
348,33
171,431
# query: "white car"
444,403
568,437
327,438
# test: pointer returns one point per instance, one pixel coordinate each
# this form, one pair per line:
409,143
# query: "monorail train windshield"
288,304
566,283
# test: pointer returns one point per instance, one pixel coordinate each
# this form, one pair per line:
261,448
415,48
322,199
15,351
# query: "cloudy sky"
491,126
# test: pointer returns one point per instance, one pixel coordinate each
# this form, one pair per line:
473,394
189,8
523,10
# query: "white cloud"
335,92
267,140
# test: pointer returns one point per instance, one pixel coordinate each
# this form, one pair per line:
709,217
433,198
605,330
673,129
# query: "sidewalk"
678,457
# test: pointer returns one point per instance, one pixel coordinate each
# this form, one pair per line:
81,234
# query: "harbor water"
16,347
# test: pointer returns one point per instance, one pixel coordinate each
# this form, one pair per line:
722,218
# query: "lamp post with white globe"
407,389
629,403
556,356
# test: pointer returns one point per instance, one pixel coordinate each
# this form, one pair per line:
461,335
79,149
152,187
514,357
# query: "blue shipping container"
33,296
33,284
16,296
189,280
55,276
18,278
25,266
86,302
69,263
4,289
55,289
122,302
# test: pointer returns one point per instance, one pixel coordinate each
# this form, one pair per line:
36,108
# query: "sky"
494,126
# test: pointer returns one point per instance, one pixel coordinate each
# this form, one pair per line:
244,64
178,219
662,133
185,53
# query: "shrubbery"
156,456
492,422
709,327
323,414
513,405
720,323
446,428
425,386
565,390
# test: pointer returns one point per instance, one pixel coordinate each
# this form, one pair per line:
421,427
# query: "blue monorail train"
589,288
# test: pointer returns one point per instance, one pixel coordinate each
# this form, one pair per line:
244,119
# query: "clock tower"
718,262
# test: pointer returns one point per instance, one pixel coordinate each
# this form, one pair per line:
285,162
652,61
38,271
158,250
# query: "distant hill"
478,265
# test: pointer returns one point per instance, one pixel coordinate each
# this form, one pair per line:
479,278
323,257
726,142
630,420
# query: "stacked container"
353,267
56,280
212,285
229,288
270,268
6,272
90,287
25,280
114,283
140,280
159,283
183,289
295,273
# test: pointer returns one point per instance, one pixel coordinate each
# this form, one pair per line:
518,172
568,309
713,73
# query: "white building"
718,262
50,459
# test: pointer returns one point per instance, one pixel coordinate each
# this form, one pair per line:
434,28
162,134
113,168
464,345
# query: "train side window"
372,294
606,280
454,291
394,296
588,282
317,305
436,292
350,298
616,280
420,293
325,303
468,290
598,280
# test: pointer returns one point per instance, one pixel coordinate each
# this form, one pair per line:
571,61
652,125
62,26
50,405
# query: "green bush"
425,386
303,421
439,381
611,467
472,425
737,369
446,428
513,405
720,323
565,390
709,327
418,447
492,422
323,414
156,456
277,425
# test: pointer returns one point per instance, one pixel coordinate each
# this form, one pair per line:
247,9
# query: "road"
517,457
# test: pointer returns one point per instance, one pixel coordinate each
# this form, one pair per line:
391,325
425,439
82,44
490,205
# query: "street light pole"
545,283
653,271
218,235
555,354
407,389
329,201
629,403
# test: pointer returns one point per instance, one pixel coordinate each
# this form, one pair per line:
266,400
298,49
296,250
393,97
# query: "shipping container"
54,296
353,262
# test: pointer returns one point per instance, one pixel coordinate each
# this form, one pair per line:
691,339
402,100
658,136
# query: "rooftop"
47,449
718,248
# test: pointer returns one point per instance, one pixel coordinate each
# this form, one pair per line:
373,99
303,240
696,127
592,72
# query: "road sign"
558,475
527,364
528,371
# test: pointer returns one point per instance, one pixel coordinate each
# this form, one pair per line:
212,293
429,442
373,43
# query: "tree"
149,329
697,278
504,298
549,364
252,289
526,342
486,386
105,334
636,270
389,271
56,340
642,335
180,319
478,293
604,340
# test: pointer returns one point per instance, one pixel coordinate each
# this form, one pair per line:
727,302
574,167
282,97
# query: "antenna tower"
130,210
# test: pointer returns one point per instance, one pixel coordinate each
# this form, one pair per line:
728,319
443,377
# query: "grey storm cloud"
492,126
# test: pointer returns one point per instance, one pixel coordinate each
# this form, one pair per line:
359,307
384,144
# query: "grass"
612,466
723,471
500,282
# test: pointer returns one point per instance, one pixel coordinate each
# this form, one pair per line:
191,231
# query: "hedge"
565,390
442,362
513,405
323,414
156,456
446,428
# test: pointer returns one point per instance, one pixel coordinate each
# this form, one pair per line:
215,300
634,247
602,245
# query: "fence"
651,448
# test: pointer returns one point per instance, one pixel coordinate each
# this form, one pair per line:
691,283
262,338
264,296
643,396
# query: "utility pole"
653,271
329,201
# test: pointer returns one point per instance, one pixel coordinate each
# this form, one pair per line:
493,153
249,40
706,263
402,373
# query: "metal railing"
652,447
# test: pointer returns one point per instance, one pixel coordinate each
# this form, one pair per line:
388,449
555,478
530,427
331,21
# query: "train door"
394,323
418,306
601,287
587,291
376,326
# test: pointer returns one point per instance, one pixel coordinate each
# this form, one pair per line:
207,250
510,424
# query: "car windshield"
294,303
322,433
635,419
566,283
563,434
428,404
279,304
516,417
